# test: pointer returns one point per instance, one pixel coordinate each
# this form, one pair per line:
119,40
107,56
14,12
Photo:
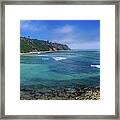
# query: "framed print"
60,60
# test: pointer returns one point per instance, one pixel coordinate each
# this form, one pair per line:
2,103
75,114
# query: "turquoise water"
60,69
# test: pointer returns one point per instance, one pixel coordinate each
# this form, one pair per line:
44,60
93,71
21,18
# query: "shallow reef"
79,93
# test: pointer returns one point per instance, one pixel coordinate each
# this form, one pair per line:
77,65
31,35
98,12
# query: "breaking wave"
97,66
59,58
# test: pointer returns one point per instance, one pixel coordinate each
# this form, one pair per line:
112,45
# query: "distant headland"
28,45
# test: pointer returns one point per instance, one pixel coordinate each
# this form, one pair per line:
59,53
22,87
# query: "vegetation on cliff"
34,45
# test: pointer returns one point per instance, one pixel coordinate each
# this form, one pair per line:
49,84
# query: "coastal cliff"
35,45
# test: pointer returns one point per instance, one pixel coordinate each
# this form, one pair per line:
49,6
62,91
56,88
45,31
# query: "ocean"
60,69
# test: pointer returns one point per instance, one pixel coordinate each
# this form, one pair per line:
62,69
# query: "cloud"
75,38
30,26
64,34
65,29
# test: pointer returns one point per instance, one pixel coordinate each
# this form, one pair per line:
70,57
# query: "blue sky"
77,34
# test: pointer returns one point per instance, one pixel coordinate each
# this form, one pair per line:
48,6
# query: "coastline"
31,53
41,52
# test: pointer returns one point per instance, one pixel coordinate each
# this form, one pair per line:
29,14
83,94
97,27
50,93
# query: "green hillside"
34,45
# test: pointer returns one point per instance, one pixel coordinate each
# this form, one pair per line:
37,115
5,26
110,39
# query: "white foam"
42,55
97,66
59,58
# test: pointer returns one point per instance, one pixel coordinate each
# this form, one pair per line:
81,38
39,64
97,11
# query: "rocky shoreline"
85,93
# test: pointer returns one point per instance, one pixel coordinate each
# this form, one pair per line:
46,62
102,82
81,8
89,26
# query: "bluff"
34,45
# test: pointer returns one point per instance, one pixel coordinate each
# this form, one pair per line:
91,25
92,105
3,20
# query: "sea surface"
61,69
